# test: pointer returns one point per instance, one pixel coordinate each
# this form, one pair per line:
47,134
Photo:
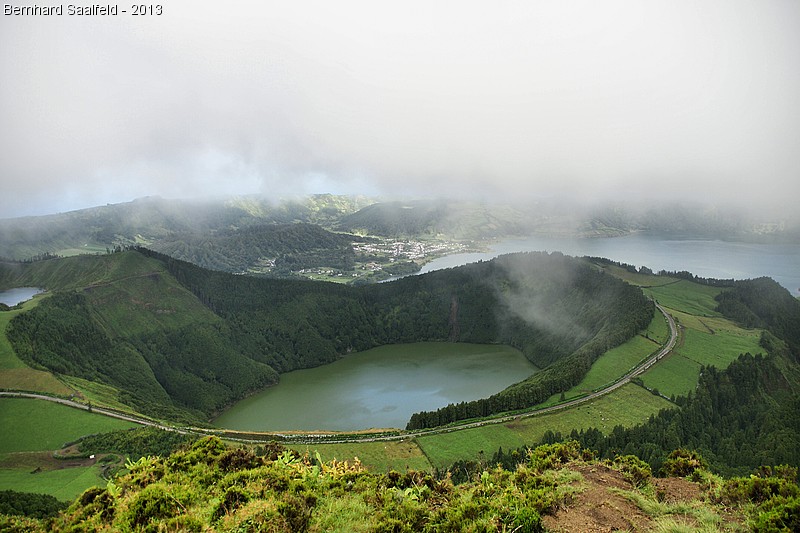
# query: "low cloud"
539,300
503,100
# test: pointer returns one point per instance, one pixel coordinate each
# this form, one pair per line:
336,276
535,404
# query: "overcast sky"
499,99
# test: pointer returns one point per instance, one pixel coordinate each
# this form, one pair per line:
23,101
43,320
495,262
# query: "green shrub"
29,504
233,498
778,515
527,520
636,471
153,503
757,489
554,455
683,463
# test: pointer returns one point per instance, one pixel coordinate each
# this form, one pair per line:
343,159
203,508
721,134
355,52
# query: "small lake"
379,388
702,257
12,297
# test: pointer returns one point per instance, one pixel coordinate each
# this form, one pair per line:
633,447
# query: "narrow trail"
333,438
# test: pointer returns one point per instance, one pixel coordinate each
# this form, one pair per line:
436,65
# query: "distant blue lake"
12,297
702,257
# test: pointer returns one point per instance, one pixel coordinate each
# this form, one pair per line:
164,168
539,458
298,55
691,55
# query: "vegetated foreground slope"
556,488
178,340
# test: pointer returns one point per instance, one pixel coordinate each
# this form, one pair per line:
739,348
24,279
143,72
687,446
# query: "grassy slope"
627,406
706,338
615,363
117,285
16,375
65,484
130,295
38,425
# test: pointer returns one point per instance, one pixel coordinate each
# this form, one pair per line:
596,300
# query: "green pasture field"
719,349
658,330
710,324
64,484
635,278
99,394
686,296
31,426
707,338
678,373
37,425
614,363
377,456
618,361
675,375
627,406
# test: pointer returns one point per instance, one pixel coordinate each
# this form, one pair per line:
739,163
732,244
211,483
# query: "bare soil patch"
597,508
675,490
42,461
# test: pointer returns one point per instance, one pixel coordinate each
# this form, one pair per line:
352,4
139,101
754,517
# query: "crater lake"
379,388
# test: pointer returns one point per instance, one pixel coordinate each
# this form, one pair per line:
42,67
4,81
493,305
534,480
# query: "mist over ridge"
619,101
217,224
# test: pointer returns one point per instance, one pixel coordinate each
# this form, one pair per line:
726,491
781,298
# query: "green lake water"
379,388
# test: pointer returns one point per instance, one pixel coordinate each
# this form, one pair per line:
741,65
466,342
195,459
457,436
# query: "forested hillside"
286,247
738,419
458,220
201,339
105,320
152,220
